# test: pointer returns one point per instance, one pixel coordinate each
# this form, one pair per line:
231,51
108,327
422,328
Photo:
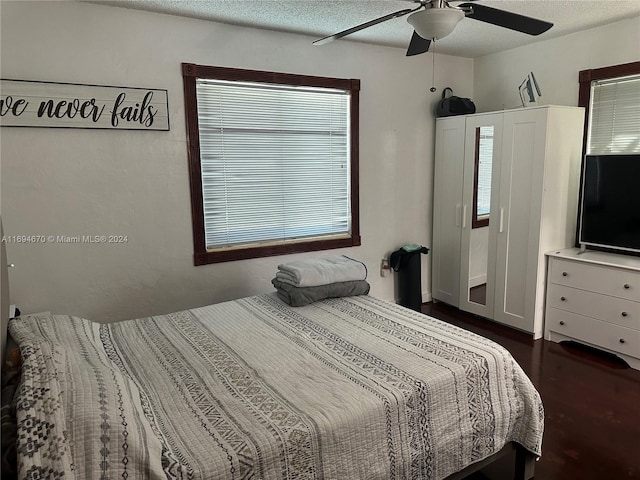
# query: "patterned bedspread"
350,388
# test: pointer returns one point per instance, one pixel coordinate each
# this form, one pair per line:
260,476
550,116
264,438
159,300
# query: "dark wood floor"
591,401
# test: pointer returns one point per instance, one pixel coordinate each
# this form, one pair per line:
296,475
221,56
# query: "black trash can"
406,262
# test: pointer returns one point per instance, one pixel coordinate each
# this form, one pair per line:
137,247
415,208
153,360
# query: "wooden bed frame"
523,468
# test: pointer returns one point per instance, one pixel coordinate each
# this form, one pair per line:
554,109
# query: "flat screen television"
610,203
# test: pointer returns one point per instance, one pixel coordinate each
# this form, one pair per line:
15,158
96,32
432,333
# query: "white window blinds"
275,162
614,125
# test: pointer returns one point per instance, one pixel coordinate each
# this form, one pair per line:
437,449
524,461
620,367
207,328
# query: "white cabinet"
534,181
594,298
447,210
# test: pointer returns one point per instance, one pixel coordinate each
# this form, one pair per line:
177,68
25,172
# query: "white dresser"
594,298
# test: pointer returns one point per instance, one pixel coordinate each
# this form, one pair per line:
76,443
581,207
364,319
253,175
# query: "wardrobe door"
447,210
517,216
483,139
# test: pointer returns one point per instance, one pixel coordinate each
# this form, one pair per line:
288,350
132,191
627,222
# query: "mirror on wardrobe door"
480,214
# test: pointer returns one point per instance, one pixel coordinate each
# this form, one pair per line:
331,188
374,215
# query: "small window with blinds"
273,162
614,113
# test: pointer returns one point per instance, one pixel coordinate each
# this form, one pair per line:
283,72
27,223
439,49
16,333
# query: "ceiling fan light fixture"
435,23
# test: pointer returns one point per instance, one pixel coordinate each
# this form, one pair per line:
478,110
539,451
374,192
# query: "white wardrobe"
525,163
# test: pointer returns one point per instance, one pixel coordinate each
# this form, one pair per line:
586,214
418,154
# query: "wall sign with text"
26,103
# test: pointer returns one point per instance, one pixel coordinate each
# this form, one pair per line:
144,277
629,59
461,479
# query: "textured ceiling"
319,18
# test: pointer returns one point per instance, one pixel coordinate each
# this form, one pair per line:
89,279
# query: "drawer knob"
624,314
565,274
622,340
563,299
627,286
561,322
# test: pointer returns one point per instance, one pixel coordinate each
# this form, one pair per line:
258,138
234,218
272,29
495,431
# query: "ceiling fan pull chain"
433,71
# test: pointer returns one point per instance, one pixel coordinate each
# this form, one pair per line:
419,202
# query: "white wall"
4,296
555,64
83,182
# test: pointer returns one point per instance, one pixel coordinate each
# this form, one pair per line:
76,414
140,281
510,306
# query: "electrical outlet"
384,267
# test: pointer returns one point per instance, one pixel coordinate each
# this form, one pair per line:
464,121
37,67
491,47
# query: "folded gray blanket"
300,296
312,272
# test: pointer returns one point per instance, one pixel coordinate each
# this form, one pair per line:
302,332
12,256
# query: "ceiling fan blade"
418,45
368,24
505,19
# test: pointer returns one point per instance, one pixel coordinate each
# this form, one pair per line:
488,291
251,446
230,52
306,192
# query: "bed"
345,388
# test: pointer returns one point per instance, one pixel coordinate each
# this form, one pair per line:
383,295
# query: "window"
483,163
273,162
611,96
615,117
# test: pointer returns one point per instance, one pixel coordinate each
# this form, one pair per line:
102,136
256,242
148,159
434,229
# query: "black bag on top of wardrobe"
452,105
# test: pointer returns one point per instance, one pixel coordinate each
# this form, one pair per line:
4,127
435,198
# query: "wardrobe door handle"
627,286
501,229
622,340
561,322
464,216
565,274
564,299
624,314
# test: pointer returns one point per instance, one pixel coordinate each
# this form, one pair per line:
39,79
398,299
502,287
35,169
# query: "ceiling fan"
435,19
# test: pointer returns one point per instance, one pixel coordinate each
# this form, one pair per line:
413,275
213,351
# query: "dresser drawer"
620,311
596,278
595,332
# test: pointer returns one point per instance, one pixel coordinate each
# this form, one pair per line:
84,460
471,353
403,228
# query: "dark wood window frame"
202,256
